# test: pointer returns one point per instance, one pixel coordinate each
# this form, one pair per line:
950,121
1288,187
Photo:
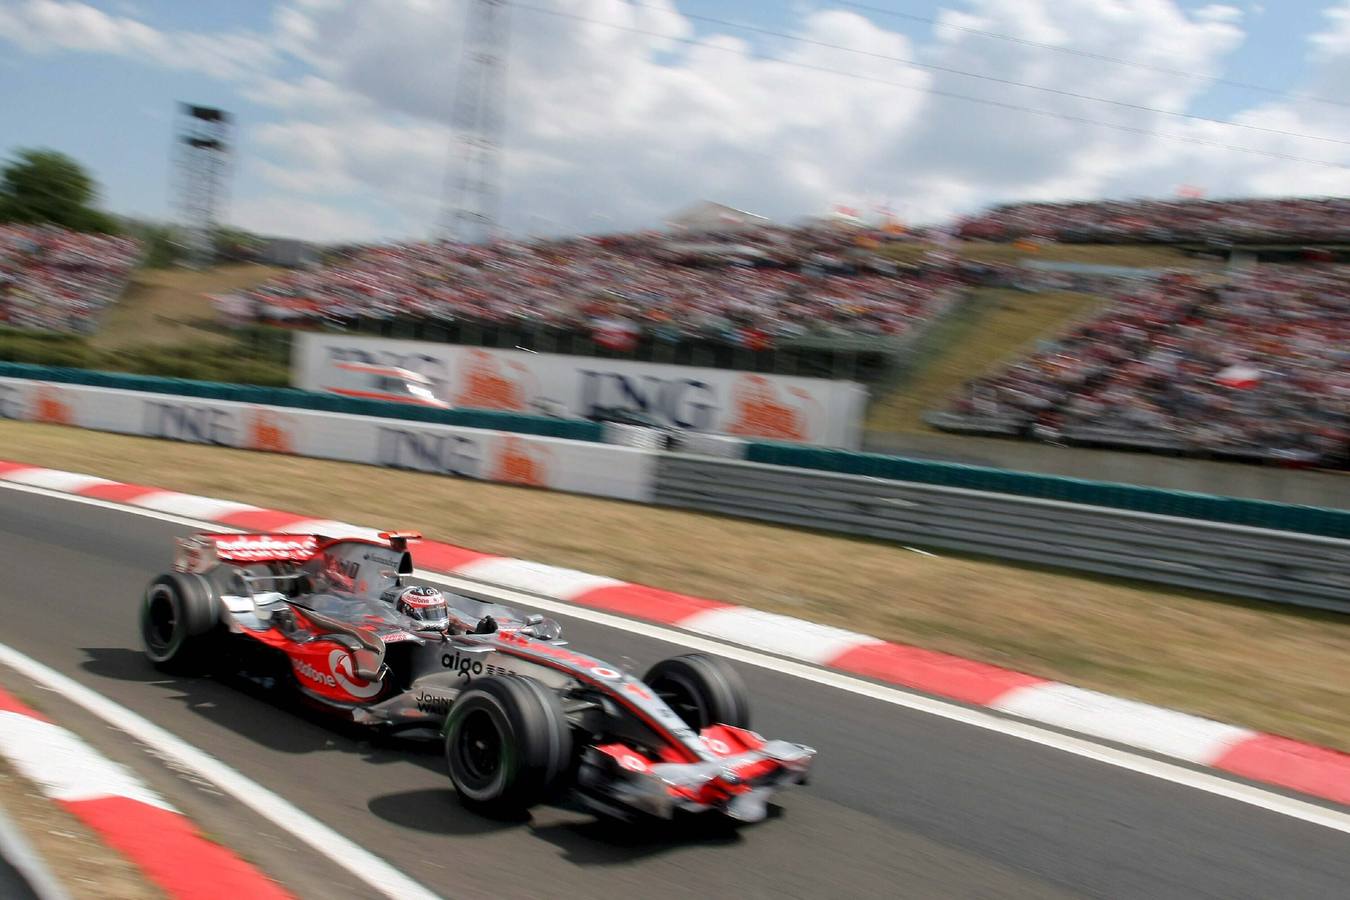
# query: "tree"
45,186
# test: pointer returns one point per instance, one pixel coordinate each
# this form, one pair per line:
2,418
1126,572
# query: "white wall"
720,401
577,466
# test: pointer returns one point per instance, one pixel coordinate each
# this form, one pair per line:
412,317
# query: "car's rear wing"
205,550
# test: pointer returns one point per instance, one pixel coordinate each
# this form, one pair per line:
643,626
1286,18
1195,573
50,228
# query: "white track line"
370,869
1217,785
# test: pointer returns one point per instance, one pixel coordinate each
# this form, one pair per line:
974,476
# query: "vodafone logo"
605,672
341,665
716,746
261,547
305,670
633,763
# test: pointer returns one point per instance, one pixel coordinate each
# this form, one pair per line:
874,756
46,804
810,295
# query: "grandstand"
1250,363
59,280
1254,367
1259,220
711,298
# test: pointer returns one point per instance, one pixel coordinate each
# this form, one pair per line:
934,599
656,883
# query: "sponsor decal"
433,368
396,636
384,559
51,407
761,412
341,573
520,462
431,703
484,385
605,672
260,547
467,667
426,451
11,402
184,422
633,763
683,402
305,670
716,745
269,432
340,662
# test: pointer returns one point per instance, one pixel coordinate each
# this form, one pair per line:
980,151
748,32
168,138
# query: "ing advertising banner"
814,411
602,470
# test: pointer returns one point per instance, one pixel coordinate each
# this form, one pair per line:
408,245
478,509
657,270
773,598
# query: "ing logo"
519,463
268,432
759,411
484,384
49,406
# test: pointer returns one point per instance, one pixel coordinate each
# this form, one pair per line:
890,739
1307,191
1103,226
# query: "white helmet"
424,605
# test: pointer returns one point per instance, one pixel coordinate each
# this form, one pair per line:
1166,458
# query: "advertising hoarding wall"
812,411
503,457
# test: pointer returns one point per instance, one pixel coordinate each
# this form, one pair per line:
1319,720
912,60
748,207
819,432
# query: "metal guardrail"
1277,566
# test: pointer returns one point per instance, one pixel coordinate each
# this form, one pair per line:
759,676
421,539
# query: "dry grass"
76,857
168,306
996,325
1264,666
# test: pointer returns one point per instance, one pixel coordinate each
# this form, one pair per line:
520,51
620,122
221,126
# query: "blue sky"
112,109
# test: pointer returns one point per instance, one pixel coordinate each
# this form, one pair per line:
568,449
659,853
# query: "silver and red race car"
524,718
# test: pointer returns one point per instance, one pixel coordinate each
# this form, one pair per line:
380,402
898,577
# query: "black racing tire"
508,744
703,690
180,615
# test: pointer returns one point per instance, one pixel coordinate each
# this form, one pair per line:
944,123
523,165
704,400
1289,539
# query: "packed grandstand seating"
1257,366
1276,220
60,280
744,288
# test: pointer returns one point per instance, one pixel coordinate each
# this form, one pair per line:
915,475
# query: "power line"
1088,54
1124,104
951,95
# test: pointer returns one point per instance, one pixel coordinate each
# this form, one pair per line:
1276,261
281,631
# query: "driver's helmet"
424,605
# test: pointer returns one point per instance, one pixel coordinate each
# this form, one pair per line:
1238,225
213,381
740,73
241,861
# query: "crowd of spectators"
1255,366
1277,220
748,287
60,280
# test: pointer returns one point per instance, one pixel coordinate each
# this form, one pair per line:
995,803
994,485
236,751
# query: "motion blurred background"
1113,225
878,268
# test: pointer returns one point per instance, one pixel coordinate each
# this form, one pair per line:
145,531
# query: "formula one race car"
522,716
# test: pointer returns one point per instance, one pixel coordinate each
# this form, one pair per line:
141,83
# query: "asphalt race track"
902,803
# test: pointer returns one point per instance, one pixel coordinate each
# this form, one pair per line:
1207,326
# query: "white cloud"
46,26
290,216
613,117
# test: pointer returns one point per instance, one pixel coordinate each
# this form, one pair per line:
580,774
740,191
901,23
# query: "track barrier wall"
1264,551
1258,563
498,456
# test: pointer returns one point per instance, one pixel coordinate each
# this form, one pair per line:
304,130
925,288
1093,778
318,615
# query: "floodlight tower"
471,195
201,163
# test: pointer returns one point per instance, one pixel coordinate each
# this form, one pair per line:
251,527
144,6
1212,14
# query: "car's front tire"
179,616
508,744
703,690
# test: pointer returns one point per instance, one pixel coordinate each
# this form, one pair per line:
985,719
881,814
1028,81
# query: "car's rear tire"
507,744
179,617
703,690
